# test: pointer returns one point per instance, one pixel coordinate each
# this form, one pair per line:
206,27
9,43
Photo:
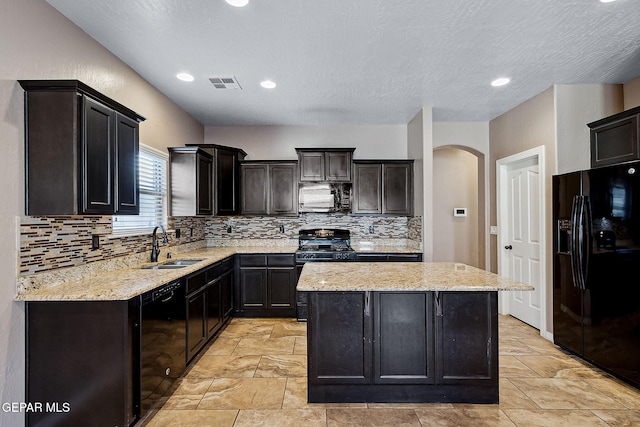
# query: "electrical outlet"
493,230
95,242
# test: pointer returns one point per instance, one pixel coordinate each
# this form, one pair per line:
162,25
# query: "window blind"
153,193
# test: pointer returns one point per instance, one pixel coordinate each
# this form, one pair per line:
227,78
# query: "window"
153,193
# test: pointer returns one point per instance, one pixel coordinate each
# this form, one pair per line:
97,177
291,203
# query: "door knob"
508,247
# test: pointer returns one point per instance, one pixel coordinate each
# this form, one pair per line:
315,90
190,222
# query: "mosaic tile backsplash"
50,243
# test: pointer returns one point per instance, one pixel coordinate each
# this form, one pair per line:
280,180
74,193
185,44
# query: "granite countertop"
402,276
128,282
121,281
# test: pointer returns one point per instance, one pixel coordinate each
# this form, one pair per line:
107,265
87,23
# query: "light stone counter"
402,276
130,281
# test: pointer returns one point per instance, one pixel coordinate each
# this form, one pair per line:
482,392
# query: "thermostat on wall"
459,211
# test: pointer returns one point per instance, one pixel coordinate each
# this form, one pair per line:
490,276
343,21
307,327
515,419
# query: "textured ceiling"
364,61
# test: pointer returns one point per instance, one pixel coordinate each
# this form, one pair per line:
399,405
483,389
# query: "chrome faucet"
155,247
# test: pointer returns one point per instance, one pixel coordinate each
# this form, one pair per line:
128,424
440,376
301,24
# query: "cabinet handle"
438,304
367,308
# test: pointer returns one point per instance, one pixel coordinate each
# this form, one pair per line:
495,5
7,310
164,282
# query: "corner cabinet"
81,151
383,187
615,139
269,188
226,177
317,164
191,171
403,347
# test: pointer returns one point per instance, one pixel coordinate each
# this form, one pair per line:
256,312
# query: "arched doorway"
459,182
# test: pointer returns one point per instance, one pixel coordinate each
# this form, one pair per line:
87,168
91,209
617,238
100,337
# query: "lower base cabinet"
266,285
209,304
82,362
403,347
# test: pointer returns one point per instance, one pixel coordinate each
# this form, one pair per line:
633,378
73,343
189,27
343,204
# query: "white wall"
632,94
455,185
40,43
575,106
280,142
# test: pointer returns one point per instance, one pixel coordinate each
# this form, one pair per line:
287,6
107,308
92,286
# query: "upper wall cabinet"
615,139
191,172
269,187
226,177
81,151
383,187
317,164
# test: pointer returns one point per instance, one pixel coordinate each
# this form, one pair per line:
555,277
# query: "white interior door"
521,242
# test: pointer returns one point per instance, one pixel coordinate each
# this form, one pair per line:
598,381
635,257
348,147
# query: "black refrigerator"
596,267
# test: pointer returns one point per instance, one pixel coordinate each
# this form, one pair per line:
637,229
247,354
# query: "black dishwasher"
163,341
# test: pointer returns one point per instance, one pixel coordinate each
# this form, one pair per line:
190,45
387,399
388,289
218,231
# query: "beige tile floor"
254,374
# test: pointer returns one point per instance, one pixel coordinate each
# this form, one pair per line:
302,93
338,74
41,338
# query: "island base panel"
403,394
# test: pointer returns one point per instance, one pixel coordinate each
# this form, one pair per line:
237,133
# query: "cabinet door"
311,166
253,288
226,294
615,142
466,337
214,307
204,193
397,197
338,166
283,191
196,323
367,188
254,184
126,174
403,336
97,151
339,338
226,187
281,288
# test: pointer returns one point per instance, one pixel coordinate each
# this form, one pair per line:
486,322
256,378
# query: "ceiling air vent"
225,83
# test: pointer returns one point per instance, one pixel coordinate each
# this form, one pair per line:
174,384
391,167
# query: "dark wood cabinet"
266,285
325,165
269,188
466,335
209,302
615,139
83,360
191,172
383,187
403,347
226,177
196,301
81,151
339,331
388,257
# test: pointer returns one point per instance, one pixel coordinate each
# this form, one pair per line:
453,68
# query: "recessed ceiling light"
238,3
500,82
267,84
185,77
606,1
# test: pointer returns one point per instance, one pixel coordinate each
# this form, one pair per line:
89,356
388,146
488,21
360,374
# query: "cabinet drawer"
226,264
253,260
281,260
214,272
195,282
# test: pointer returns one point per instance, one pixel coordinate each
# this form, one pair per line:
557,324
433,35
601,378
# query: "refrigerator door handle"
587,240
575,239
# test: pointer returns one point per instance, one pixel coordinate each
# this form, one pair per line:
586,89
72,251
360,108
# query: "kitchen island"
402,332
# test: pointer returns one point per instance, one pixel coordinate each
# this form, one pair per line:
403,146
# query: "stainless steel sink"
182,262
171,265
